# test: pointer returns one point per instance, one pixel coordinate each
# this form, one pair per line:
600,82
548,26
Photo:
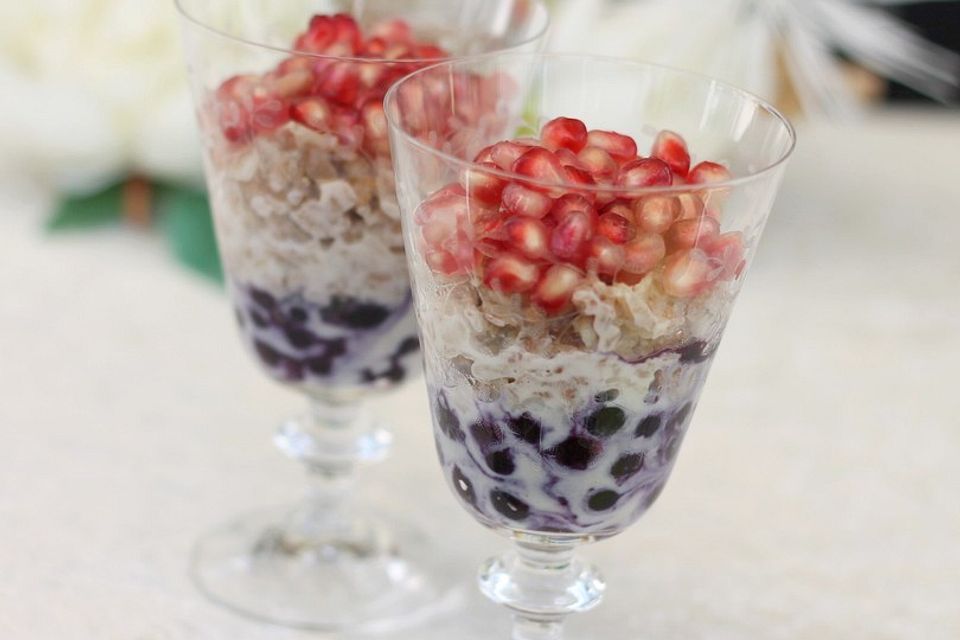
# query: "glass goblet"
577,230
289,99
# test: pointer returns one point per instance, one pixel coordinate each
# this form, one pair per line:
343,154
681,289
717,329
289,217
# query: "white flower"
94,89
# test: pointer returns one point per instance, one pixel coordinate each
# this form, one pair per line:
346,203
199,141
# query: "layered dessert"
304,198
572,295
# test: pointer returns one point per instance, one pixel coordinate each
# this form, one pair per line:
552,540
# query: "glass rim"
193,19
391,98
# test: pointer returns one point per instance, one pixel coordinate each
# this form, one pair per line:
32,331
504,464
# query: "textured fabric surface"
815,498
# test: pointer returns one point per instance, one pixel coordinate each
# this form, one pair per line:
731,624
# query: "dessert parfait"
303,193
572,293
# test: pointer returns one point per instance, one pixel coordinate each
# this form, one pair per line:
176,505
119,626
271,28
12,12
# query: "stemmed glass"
289,101
577,230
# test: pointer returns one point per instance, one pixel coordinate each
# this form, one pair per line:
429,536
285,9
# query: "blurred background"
816,499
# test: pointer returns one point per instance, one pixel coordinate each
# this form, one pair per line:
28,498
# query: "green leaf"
88,212
184,216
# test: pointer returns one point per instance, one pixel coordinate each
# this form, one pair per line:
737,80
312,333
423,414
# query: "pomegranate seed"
691,206
269,114
448,206
483,185
555,289
646,172
689,234
616,228
644,253
442,262
600,163
345,123
506,154
619,146
568,240
298,63
621,208
672,149
528,236
290,84
392,31
347,39
371,77
606,256
319,36
312,112
728,249
564,133
572,202
578,176
341,83
521,201
541,165
707,173
376,47
689,273
238,87
569,158
656,214
375,127
510,273
484,155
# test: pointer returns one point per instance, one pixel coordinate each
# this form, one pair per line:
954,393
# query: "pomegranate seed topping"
619,146
312,112
728,249
672,149
269,113
689,234
605,256
528,236
319,36
482,185
446,206
572,202
569,158
541,165
375,126
621,208
644,253
506,154
510,273
392,31
616,228
347,39
646,172
656,214
564,133
430,52
707,173
290,84
556,288
341,83
689,273
442,262
568,240
691,206
376,47
521,201
600,163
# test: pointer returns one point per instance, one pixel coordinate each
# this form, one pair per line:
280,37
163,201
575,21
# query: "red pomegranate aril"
319,36
269,114
341,83
375,127
569,238
290,84
581,177
564,133
606,256
616,228
556,288
510,273
528,236
707,173
599,163
569,158
672,149
442,262
346,35
691,206
396,30
644,253
505,154
645,172
430,52
375,47
572,202
728,249
621,208
521,201
688,234
619,146
541,166
689,273
656,214
312,112
483,185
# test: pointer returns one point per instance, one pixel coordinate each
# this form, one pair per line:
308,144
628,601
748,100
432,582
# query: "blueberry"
526,428
348,312
509,506
336,347
607,396
268,354
501,462
576,452
259,319
447,420
626,467
648,426
606,421
486,433
262,298
298,315
696,352
298,338
603,500
292,370
320,366
464,487
395,373
408,346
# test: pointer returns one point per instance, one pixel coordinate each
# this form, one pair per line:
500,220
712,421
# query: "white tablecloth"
818,496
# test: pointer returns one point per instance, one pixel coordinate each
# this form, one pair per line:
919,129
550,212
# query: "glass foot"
365,575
